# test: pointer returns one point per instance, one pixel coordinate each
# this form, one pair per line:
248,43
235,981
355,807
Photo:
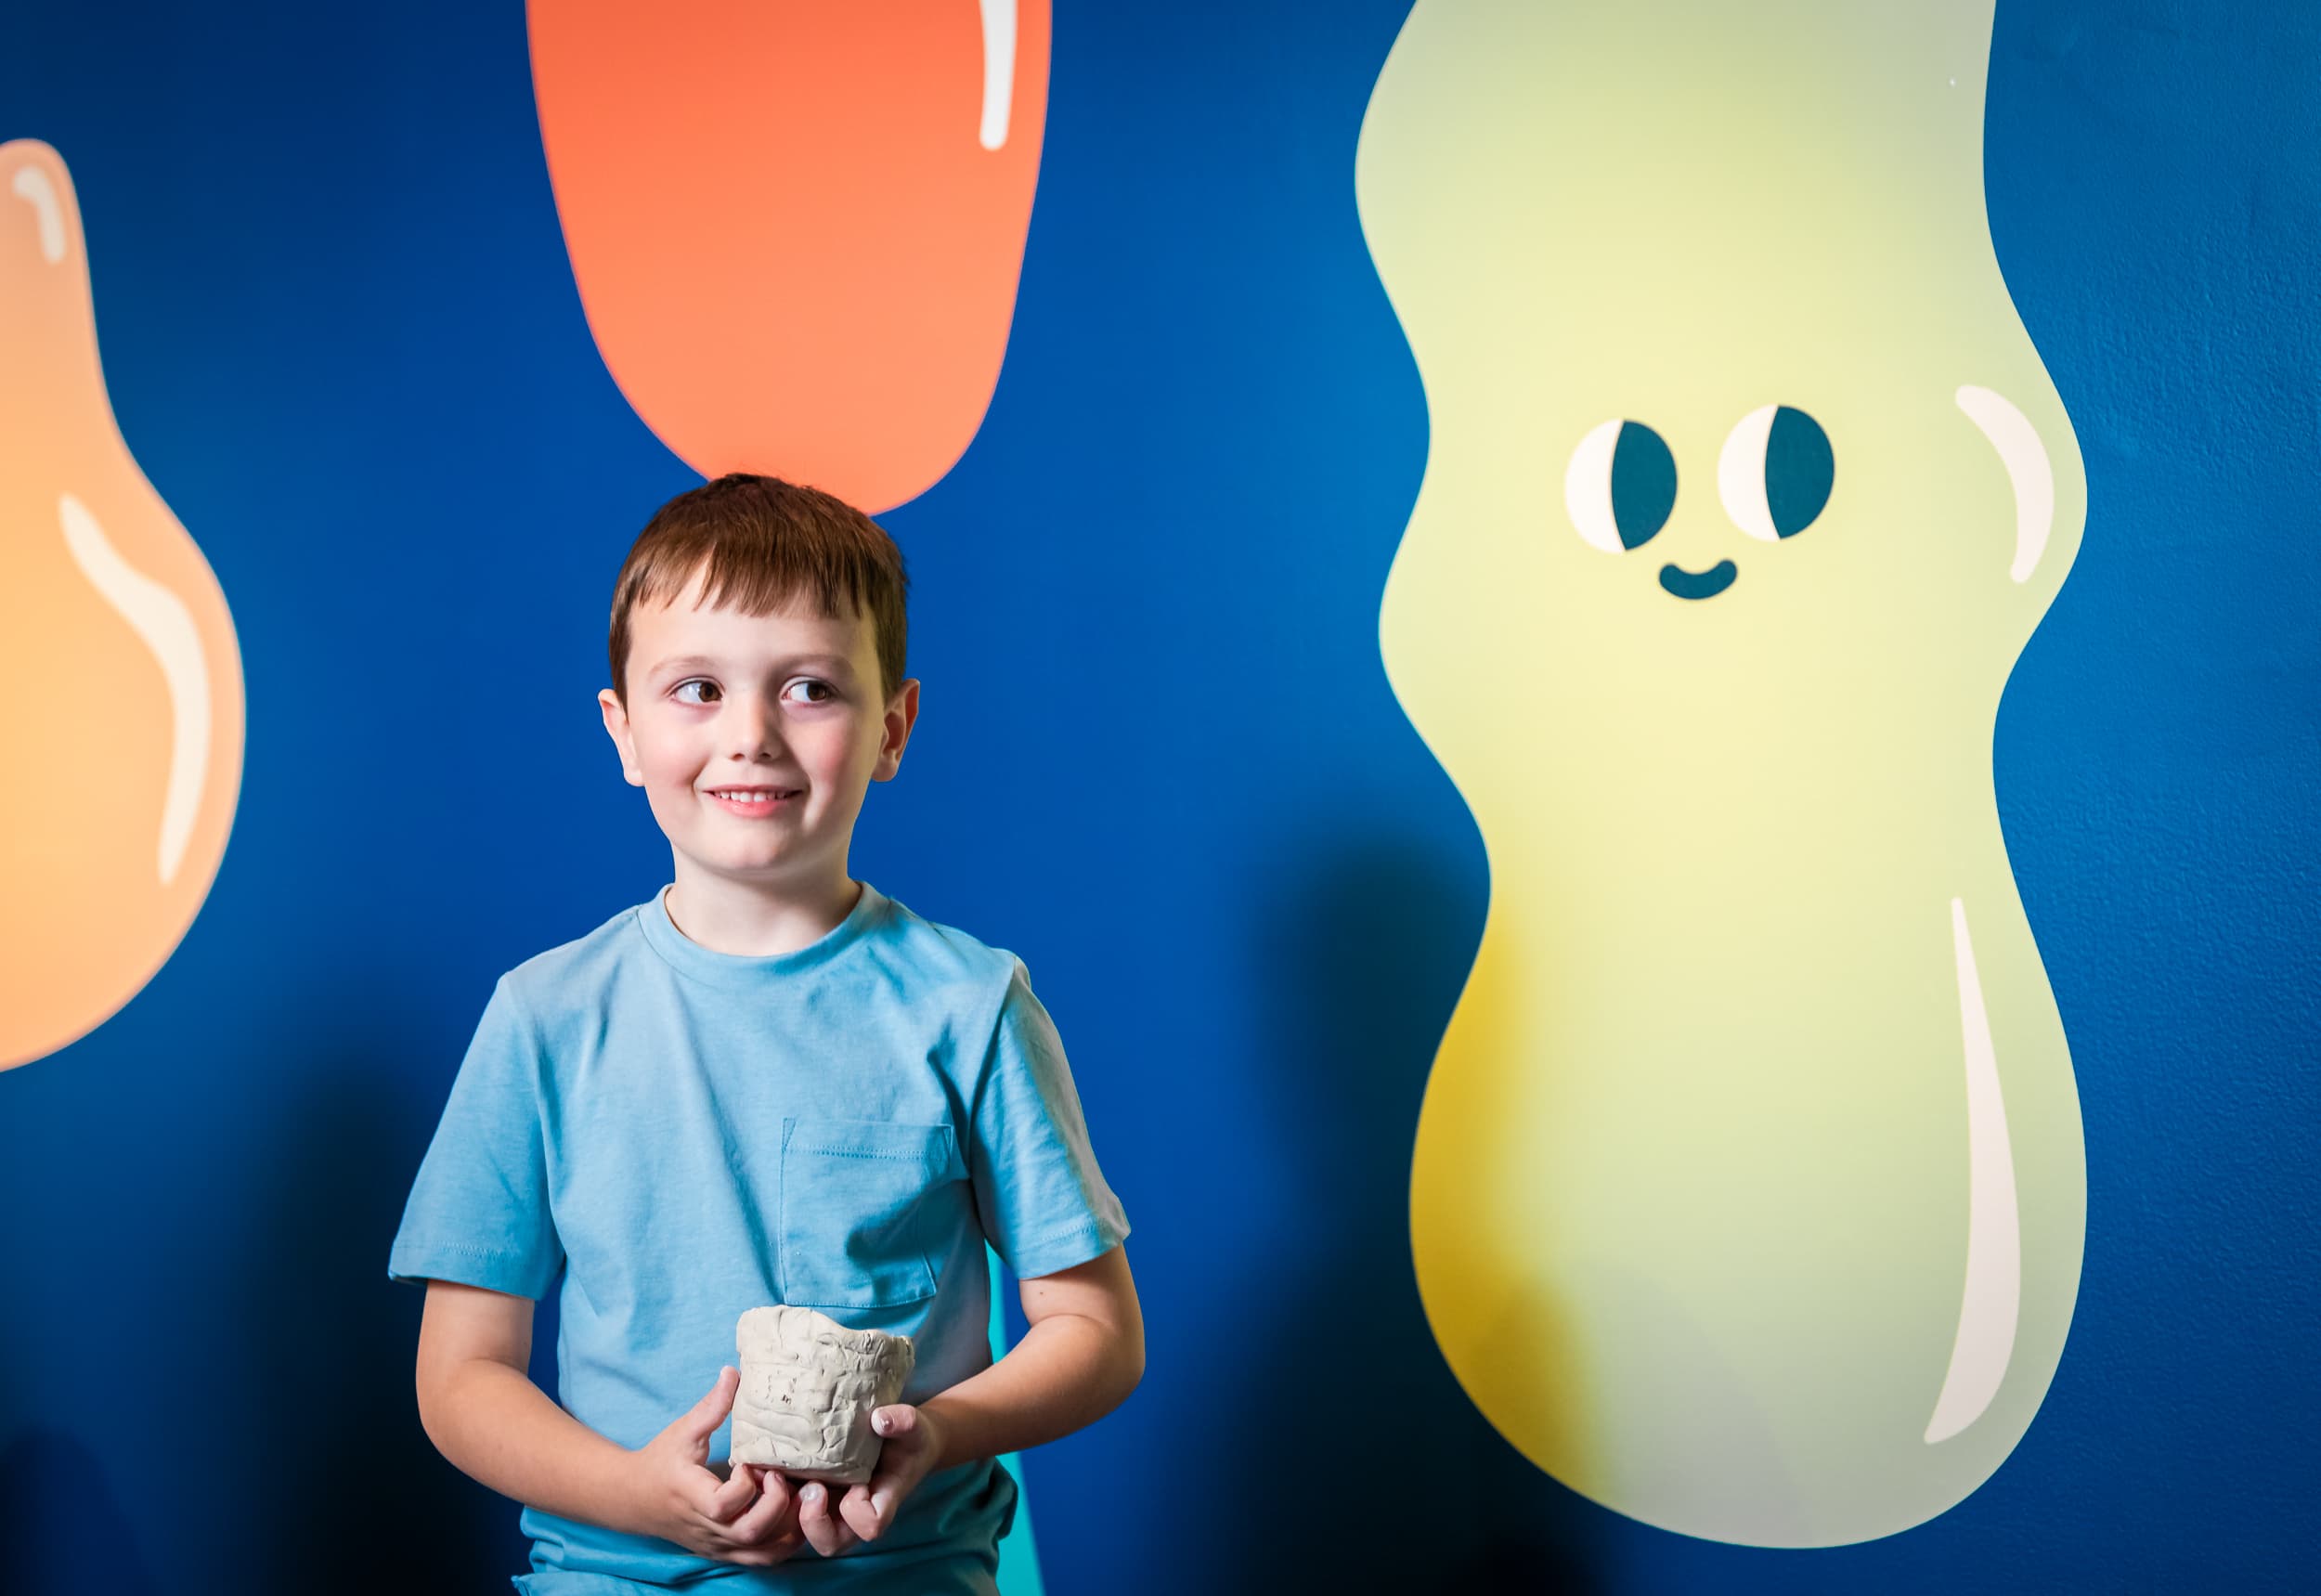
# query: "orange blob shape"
124,680
798,229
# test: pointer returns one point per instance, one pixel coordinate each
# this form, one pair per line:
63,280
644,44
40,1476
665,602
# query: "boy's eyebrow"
838,663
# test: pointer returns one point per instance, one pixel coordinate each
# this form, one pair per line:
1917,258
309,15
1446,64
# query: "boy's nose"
754,724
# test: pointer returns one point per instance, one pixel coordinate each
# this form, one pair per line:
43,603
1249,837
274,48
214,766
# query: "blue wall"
342,337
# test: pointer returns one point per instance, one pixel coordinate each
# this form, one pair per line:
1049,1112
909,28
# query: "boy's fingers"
773,1553
860,1508
727,1500
766,1515
812,1517
896,1419
711,1411
709,1506
829,1537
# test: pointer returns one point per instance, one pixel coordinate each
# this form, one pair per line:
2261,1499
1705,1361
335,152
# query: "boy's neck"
728,917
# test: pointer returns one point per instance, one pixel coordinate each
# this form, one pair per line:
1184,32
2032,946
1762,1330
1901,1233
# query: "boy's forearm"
1066,1373
498,1427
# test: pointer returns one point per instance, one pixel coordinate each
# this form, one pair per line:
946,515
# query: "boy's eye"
806,690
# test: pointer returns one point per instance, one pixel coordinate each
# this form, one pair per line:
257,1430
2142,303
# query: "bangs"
759,545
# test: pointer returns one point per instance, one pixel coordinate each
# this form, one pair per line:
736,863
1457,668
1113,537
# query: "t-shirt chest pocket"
859,1219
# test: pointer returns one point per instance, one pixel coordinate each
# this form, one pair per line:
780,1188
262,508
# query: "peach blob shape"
124,684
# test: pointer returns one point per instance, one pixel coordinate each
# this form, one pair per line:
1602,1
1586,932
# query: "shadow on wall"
326,1323
1369,953
58,1517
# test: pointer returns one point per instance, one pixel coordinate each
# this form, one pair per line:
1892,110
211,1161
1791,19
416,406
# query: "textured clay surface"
808,1387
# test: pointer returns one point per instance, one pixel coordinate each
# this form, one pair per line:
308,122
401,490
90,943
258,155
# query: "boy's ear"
616,728
903,713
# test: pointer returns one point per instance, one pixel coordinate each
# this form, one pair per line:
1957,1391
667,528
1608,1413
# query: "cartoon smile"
1699,584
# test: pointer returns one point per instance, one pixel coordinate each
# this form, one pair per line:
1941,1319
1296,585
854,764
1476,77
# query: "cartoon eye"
1775,472
1620,485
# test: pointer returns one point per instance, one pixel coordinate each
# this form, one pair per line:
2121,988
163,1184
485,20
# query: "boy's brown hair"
763,540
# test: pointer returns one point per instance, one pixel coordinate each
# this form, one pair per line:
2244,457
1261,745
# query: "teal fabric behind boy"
688,1134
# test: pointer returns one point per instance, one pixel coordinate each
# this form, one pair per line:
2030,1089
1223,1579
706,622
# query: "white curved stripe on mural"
1994,1248
33,187
1741,475
1588,487
2028,468
999,69
160,619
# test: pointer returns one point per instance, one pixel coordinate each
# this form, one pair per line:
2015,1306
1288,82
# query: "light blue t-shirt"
688,1134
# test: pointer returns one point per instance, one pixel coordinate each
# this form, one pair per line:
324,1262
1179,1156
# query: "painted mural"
798,229
1747,1192
125,694
1526,648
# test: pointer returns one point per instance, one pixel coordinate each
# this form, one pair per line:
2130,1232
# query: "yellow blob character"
1748,1191
124,709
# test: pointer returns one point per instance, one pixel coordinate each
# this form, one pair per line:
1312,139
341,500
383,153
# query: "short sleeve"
478,1212
1043,1201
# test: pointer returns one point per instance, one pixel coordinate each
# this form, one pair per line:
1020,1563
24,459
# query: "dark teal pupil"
1645,482
1798,470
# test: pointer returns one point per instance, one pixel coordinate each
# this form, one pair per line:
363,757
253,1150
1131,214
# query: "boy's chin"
760,869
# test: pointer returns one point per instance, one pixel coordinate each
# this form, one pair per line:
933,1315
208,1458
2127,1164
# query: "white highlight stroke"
33,185
1740,474
2028,468
999,69
1994,1245
1588,487
161,619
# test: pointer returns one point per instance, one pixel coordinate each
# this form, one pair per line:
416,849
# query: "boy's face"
787,704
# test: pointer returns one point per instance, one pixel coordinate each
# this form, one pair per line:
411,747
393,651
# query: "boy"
771,1084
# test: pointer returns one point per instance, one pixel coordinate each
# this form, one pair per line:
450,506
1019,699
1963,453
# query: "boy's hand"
914,1440
685,1502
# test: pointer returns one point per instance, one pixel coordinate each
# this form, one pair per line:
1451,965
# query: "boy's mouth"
753,800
